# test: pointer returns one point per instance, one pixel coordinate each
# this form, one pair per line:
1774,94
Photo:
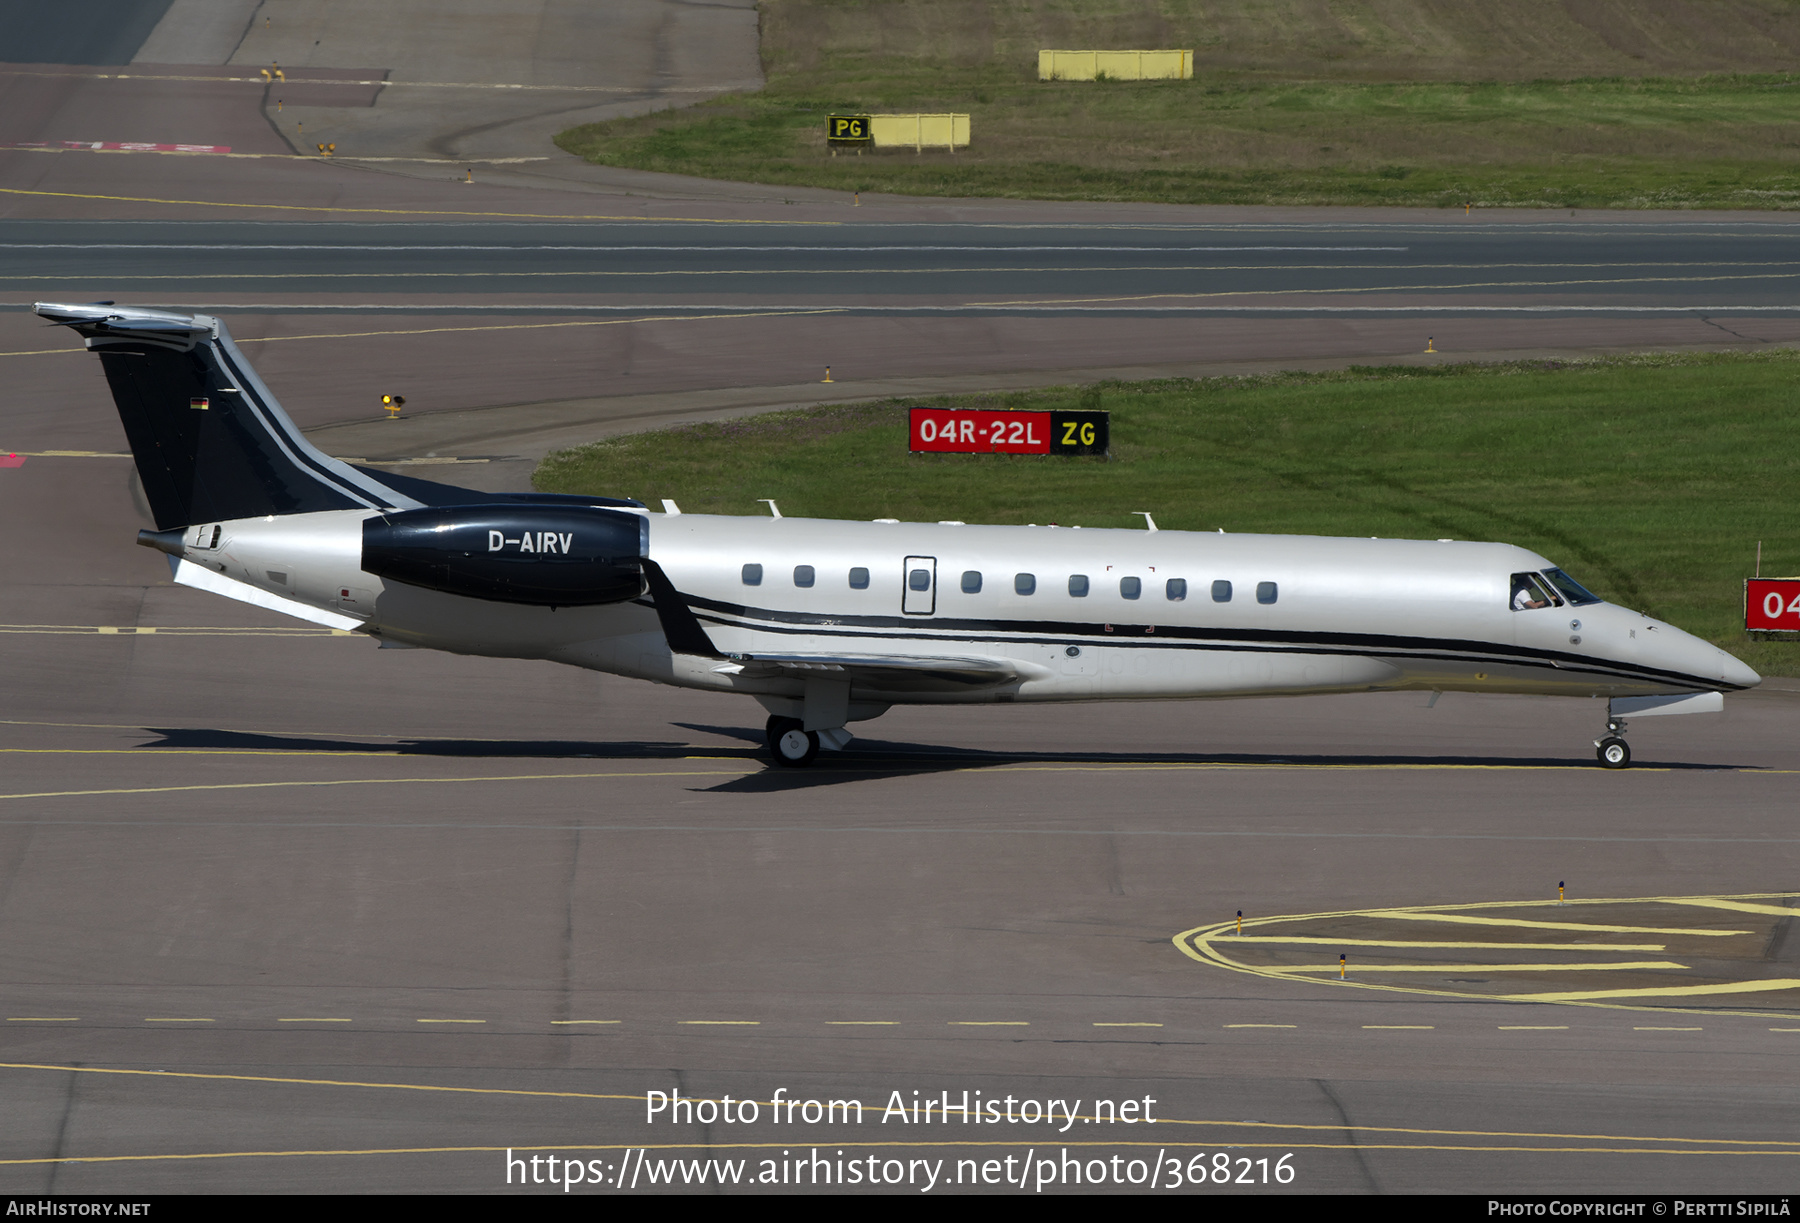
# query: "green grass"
1616,103
1716,142
1650,478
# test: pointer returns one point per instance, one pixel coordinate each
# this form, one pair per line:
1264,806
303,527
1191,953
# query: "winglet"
679,624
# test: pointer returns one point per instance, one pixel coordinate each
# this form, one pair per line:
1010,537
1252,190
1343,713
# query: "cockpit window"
1570,589
1528,593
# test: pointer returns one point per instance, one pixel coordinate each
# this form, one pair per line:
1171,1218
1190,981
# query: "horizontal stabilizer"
201,578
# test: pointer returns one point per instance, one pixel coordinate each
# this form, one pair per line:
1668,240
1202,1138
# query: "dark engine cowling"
546,556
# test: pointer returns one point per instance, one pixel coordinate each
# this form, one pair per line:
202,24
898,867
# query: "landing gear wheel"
790,743
1613,753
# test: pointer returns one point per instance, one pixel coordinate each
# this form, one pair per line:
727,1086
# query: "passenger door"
918,584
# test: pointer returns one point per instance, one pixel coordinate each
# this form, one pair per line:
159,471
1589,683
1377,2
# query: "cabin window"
971,583
1176,589
859,578
1078,585
1266,592
803,575
1024,583
753,575
1131,588
1221,592
1528,593
919,579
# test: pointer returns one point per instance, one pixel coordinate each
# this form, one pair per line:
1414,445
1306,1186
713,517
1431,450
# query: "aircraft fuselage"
1077,614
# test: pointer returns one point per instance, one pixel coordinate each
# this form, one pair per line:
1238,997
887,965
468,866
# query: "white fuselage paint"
1349,615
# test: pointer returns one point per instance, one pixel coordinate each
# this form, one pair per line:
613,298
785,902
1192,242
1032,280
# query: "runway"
1443,269
283,912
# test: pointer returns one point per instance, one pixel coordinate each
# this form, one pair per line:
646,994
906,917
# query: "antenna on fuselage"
1145,515
770,502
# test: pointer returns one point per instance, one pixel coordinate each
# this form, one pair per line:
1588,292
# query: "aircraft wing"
883,672
888,672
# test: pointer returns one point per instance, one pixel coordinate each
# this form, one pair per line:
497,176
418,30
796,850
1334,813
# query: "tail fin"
211,442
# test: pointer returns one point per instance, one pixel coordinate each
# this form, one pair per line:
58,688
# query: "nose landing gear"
1612,750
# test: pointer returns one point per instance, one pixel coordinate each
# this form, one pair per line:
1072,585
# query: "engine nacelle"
546,556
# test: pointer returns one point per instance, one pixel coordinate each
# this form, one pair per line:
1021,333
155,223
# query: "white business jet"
826,623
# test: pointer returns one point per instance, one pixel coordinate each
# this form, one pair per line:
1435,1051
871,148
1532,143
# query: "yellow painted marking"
1738,906
572,1021
1465,919
411,212
383,781
1262,1025
989,1023
1382,942
172,630
62,454
1210,944
1668,1029
1769,985
173,1019
1784,1029
1175,1144
43,1019
596,322
1230,766
1351,289
1780,1146
1128,1025
148,750
450,1021
862,1023
721,1023
1399,1027
307,1020
264,1078
1367,967
1534,1027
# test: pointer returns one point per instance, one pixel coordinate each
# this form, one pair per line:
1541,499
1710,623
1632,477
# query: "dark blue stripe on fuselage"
1060,632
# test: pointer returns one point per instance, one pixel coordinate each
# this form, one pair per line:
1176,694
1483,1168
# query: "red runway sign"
1772,605
948,431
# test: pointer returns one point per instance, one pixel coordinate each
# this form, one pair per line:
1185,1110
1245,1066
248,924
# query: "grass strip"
1278,112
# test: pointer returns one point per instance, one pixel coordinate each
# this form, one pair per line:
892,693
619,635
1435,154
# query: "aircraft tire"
790,744
1613,753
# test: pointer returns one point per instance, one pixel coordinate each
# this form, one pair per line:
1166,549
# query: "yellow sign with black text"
849,129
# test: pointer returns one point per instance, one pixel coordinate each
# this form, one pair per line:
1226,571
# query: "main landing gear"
790,743
1612,750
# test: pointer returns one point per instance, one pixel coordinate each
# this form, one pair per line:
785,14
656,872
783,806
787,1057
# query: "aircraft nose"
1735,673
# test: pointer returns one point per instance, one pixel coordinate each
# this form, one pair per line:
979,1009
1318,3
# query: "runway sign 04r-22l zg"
1772,605
945,430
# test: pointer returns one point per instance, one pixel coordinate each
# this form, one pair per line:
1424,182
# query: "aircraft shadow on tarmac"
864,759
